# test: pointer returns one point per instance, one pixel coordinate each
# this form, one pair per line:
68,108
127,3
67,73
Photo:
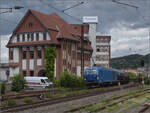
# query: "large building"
103,51
36,31
4,71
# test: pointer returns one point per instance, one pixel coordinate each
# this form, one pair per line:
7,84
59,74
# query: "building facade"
36,31
103,52
4,71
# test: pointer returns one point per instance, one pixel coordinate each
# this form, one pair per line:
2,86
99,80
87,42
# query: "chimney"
92,21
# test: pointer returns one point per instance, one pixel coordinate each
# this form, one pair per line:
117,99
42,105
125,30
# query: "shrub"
2,88
147,80
9,102
28,100
18,82
71,81
131,75
56,83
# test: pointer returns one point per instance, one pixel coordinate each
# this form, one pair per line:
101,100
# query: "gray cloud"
111,16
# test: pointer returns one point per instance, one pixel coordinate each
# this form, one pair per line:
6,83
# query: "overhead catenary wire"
61,11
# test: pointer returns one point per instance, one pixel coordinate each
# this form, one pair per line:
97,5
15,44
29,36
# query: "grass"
114,108
28,100
71,93
9,102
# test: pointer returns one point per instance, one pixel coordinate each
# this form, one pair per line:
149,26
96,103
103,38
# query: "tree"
50,56
18,82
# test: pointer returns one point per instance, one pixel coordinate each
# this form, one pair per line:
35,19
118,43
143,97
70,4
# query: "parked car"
33,82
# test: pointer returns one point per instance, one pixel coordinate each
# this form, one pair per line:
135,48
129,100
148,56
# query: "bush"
132,75
18,82
71,81
56,83
9,102
147,80
2,88
28,100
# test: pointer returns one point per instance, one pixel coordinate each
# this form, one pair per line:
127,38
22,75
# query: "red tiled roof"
53,35
55,22
44,19
77,28
57,28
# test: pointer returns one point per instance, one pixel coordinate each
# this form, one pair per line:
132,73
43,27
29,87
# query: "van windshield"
47,80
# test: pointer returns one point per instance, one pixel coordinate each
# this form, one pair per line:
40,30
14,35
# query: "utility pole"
82,50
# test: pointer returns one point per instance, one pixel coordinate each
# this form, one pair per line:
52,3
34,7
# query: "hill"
130,61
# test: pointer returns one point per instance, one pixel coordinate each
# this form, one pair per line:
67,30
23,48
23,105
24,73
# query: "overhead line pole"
82,49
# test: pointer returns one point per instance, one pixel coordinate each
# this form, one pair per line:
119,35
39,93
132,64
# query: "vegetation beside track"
47,97
117,104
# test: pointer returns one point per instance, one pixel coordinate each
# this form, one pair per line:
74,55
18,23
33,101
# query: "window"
24,73
44,36
30,25
37,36
31,73
11,54
23,37
28,37
31,54
42,81
32,37
18,38
39,54
24,55
98,50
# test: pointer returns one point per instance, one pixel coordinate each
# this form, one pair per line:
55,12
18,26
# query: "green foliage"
9,102
147,80
2,88
131,75
18,82
50,56
71,81
56,83
127,62
28,100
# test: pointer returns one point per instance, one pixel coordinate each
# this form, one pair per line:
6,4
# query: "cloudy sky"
128,26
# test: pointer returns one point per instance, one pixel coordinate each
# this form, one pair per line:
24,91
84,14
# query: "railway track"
58,100
30,94
38,93
145,108
120,99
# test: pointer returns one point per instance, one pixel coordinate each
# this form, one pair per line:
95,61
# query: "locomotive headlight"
97,78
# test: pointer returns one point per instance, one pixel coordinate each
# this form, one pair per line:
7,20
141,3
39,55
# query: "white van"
43,82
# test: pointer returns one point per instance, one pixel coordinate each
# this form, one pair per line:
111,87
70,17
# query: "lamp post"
7,10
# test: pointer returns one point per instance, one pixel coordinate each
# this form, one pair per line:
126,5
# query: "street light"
8,10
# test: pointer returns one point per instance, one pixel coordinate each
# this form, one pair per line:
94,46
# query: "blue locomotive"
100,75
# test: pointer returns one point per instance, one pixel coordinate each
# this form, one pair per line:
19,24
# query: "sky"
128,26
